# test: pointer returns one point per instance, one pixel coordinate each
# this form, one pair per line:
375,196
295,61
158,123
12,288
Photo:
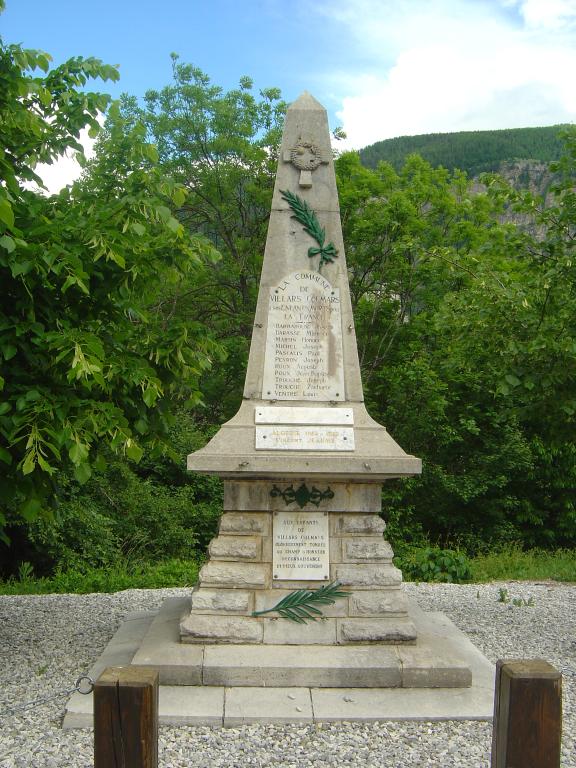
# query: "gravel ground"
47,641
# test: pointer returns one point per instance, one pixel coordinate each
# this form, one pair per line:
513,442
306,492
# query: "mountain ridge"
474,152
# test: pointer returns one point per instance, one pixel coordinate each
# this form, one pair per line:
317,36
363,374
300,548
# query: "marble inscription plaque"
300,546
303,357
295,415
288,438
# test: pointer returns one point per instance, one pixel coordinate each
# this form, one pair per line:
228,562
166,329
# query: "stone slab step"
233,705
434,661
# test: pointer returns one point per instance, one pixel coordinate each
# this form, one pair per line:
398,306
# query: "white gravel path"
47,641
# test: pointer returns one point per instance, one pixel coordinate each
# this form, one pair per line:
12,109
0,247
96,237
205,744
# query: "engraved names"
300,548
303,359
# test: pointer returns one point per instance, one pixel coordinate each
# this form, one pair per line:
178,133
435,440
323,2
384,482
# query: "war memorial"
299,613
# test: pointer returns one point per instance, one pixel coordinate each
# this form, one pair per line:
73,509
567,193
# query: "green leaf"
174,225
8,243
138,228
83,472
78,453
150,395
141,426
29,464
9,351
100,463
5,456
133,451
45,465
30,509
151,152
6,212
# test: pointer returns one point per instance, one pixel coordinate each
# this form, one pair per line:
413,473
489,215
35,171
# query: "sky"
382,68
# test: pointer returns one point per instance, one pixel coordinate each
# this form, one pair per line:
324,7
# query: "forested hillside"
472,151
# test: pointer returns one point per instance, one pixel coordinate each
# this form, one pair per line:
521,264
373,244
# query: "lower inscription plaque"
300,546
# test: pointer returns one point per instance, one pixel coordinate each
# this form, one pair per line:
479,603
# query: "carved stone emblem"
306,156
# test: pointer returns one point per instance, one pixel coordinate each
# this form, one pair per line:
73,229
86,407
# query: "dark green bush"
434,564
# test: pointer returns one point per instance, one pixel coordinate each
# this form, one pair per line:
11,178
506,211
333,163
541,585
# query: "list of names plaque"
303,359
300,548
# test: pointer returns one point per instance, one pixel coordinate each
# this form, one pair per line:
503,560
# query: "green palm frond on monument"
303,214
300,606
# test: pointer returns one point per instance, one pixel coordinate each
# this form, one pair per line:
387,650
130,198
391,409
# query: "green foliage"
222,146
474,152
170,573
514,563
91,356
435,564
467,344
124,514
518,602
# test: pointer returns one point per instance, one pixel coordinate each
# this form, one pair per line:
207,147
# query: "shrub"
435,564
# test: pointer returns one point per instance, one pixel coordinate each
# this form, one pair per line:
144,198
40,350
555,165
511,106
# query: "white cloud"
66,169
548,14
450,65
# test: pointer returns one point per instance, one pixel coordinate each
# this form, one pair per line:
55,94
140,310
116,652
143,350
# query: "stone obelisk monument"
303,463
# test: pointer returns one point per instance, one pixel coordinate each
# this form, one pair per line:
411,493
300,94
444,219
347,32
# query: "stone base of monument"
442,677
264,553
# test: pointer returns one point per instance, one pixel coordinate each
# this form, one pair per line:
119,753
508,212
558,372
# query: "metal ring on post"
84,685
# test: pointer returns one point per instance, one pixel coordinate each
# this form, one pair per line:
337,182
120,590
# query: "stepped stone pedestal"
239,579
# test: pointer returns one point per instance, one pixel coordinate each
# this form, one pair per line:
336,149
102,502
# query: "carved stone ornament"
306,157
302,495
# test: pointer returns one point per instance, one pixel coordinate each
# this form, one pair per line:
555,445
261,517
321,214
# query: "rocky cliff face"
525,176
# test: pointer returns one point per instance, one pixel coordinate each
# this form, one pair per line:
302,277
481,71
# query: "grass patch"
513,564
418,564
171,573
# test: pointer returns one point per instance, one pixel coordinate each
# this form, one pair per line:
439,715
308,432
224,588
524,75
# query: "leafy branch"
302,212
300,606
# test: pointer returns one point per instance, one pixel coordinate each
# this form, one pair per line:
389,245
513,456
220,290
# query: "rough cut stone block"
366,550
200,628
234,575
348,497
245,523
378,602
285,632
362,525
222,600
267,549
335,546
376,631
235,548
366,576
264,599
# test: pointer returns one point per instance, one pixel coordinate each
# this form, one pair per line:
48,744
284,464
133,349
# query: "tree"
223,147
90,354
466,330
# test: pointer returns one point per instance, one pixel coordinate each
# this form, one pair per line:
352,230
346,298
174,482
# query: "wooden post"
126,718
527,726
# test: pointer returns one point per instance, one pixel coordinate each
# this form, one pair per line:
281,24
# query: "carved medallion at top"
306,156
